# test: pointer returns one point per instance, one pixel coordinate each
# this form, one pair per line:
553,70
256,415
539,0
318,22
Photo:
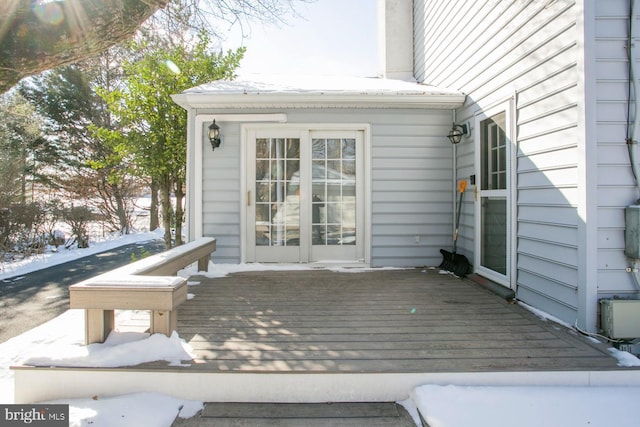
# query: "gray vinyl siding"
616,187
221,195
411,174
525,52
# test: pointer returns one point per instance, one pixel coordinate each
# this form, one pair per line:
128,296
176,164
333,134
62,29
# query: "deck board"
412,320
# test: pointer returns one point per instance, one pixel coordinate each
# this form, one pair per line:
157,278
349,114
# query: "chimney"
395,39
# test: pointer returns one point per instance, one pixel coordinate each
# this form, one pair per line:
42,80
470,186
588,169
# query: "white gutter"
426,100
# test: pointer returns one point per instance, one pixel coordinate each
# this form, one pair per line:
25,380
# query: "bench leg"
98,325
163,322
203,263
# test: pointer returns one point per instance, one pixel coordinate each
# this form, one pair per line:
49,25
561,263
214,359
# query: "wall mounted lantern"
457,132
214,135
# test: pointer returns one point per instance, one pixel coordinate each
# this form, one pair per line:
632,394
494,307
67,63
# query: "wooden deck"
371,322
320,336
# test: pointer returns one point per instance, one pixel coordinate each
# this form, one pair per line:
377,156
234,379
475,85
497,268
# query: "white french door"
305,196
494,200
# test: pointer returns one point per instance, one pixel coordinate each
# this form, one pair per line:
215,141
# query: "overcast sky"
331,37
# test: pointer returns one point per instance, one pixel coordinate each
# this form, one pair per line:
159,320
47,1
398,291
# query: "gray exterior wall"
221,195
525,51
616,188
411,175
563,64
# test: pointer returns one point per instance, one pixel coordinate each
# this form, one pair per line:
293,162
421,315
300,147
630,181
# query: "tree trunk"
179,217
165,206
23,178
154,221
121,210
49,34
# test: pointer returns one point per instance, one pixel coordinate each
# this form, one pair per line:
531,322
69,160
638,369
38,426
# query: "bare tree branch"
39,35
217,17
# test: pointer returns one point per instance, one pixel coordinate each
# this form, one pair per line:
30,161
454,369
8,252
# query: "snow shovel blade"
460,265
455,263
446,260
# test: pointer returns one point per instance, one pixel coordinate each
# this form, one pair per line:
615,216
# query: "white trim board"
57,383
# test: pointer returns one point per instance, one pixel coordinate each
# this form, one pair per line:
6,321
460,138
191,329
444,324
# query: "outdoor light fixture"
214,135
457,132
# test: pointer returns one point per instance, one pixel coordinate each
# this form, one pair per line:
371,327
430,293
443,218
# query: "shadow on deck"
322,336
375,321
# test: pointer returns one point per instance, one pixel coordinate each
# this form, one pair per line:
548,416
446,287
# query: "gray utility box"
632,231
620,318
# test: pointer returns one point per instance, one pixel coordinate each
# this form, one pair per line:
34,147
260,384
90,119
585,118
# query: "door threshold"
313,264
337,264
498,289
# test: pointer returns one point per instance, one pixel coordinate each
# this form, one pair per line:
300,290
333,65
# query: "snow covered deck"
319,335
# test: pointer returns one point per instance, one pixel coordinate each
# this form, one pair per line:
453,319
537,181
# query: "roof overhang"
262,92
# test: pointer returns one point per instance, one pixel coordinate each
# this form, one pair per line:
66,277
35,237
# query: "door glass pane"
319,149
334,195
262,148
333,148
334,171
494,153
277,192
349,148
262,170
494,234
263,192
348,169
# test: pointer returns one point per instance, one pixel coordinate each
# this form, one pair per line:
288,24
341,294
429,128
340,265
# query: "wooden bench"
148,284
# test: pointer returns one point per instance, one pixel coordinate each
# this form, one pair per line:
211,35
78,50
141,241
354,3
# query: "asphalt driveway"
29,300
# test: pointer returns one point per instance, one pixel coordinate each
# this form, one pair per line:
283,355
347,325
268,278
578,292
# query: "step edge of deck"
291,387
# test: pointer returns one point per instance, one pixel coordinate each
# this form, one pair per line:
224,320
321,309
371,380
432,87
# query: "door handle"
249,198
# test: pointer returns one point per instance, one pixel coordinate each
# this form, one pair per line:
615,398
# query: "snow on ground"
222,270
119,349
62,255
458,406
61,341
133,410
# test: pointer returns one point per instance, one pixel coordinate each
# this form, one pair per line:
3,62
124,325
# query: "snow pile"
60,342
134,410
460,406
223,270
624,358
119,349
